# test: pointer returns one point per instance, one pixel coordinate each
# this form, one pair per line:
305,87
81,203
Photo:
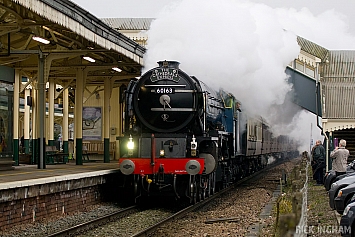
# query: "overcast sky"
151,8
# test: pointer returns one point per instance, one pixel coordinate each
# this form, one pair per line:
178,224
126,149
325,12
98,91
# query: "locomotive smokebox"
169,64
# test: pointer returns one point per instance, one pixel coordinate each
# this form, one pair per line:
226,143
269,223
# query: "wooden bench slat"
97,147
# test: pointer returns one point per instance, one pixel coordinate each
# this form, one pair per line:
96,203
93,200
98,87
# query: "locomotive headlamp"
193,146
130,145
162,151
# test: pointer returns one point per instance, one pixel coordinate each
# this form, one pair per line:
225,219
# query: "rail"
72,231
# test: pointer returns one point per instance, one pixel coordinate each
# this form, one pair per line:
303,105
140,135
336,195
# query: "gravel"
55,224
130,225
243,204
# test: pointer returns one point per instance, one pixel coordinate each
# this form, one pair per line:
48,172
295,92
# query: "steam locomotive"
184,139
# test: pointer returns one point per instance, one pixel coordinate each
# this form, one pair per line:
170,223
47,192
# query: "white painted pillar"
16,104
34,114
65,122
107,96
78,116
26,120
16,117
65,129
51,111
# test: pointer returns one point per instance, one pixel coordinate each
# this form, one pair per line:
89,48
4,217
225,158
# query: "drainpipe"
318,125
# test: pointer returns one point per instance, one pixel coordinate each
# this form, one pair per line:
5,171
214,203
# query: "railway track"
87,226
149,231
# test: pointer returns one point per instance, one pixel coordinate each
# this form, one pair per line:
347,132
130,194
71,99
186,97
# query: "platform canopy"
71,33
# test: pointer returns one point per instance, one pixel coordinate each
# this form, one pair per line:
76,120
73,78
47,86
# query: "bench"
97,148
6,163
53,156
86,153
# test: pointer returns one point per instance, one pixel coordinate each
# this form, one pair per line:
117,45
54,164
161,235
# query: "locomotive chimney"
169,64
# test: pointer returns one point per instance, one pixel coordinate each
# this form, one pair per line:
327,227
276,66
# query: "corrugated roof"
128,23
341,64
338,84
312,48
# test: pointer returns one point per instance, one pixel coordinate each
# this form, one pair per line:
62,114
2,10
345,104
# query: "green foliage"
285,205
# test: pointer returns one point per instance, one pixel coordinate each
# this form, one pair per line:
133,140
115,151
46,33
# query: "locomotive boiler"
184,139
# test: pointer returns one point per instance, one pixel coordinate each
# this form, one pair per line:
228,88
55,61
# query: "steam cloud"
244,48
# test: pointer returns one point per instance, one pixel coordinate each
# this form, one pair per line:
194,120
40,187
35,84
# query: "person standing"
340,157
318,165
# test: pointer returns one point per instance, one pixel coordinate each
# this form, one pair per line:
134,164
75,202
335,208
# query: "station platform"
28,175
28,194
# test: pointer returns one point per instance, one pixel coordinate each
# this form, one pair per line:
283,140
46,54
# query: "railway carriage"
185,139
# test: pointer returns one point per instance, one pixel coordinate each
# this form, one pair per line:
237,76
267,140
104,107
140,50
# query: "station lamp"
87,58
40,39
117,69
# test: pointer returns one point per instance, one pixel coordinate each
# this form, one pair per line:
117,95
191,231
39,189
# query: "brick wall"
32,209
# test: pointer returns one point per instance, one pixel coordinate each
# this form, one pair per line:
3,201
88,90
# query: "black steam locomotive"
182,138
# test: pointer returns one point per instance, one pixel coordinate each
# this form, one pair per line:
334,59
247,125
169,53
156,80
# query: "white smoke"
270,160
245,51
327,29
241,47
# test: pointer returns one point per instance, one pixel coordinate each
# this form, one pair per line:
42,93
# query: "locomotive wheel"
204,194
199,190
202,190
207,187
212,184
135,187
136,191
193,189
194,193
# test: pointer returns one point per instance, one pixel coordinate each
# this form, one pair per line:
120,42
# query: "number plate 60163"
165,90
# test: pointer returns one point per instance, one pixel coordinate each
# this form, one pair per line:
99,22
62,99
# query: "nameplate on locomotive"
165,74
